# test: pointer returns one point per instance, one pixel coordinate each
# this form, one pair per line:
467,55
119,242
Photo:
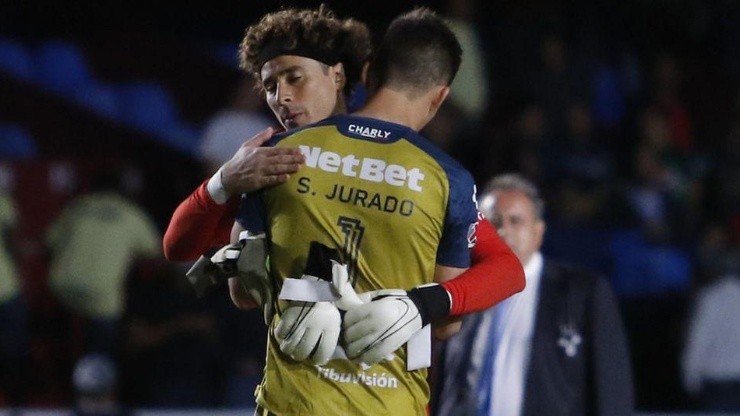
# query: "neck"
341,106
396,107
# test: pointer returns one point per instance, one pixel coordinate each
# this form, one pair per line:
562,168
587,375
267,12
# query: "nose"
504,229
284,93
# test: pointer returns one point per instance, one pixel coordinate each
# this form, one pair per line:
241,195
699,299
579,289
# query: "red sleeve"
495,275
198,224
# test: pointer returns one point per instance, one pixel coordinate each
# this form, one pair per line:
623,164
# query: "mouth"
290,119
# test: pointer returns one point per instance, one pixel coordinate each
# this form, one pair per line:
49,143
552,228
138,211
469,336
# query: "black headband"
280,46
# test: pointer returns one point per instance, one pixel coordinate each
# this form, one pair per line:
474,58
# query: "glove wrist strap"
432,301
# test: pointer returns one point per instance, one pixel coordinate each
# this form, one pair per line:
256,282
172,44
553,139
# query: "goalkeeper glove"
389,318
252,272
245,260
310,329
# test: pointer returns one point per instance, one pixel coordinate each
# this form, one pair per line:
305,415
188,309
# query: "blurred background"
625,113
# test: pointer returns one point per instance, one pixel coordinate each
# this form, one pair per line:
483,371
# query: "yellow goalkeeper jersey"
395,206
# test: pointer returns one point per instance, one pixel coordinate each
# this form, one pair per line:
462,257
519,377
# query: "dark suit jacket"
579,363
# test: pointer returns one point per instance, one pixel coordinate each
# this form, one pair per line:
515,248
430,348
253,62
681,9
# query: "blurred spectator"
608,94
658,194
718,251
95,381
556,348
531,135
581,169
668,100
727,163
470,90
93,243
585,157
445,129
559,82
711,357
14,346
173,356
517,147
231,126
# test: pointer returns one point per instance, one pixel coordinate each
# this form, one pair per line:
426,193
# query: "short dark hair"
418,51
348,40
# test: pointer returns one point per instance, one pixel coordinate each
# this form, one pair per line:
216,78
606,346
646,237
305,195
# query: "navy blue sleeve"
459,226
251,214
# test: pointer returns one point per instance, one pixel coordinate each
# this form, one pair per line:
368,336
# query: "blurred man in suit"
556,348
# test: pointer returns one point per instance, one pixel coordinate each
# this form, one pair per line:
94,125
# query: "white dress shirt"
512,357
712,350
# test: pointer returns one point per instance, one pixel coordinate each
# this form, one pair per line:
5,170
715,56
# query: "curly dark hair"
318,29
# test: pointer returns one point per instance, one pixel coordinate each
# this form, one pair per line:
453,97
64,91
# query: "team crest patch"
472,238
569,340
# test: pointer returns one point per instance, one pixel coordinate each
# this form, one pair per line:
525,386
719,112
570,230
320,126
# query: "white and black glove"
388,318
205,274
252,273
309,327
309,330
245,260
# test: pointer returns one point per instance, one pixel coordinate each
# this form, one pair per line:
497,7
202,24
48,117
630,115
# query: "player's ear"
439,95
363,74
339,78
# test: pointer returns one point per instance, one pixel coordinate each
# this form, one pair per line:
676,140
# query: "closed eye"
269,86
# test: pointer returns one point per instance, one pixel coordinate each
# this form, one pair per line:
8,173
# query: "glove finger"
356,315
267,307
326,347
347,295
288,321
378,352
359,330
267,311
360,346
374,316
378,349
289,344
306,344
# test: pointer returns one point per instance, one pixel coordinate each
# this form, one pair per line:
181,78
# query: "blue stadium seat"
61,66
181,136
672,269
607,97
15,59
16,143
580,245
147,106
629,254
99,98
645,269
